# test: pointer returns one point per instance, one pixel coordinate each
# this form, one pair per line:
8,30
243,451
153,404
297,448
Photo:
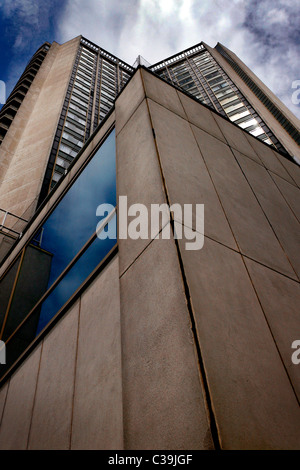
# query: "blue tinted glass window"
54,246
74,278
74,220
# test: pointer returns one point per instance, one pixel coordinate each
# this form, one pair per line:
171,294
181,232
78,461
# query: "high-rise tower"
219,79
138,340
87,80
10,108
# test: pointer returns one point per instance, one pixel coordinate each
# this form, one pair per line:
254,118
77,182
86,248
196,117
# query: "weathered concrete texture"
162,396
251,228
138,174
97,415
281,218
36,122
17,414
290,193
236,137
68,392
3,393
292,169
52,412
129,101
121,369
268,157
255,406
162,93
184,171
163,404
280,300
203,119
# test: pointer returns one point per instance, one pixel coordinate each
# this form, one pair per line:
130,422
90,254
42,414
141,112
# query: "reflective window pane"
55,245
74,278
74,220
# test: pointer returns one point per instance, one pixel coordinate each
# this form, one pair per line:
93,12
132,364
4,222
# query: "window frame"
20,253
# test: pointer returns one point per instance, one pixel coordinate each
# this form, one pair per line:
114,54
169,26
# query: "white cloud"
28,19
26,9
263,33
277,16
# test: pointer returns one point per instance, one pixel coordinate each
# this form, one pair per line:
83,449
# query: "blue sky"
24,26
265,34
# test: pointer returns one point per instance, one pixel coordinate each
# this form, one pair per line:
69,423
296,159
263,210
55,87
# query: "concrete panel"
185,173
282,219
3,393
129,100
290,193
254,404
138,174
252,231
236,137
51,420
268,157
19,404
97,415
200,116
161,92
45,96
162,396
292,168
280,300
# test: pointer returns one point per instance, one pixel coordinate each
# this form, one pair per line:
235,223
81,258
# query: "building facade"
10,108
139,343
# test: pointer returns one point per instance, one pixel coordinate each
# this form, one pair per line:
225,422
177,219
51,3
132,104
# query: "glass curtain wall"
97,79
61,254
196,72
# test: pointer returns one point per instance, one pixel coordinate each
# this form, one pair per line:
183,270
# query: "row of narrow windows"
286,124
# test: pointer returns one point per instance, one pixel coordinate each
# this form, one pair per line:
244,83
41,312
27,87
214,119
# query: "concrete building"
218,78
140,343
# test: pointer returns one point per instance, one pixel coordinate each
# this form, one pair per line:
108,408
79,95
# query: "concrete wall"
68,393
163,398
26,148
243,284
169,348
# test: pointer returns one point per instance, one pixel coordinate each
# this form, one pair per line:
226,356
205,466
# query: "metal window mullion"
198,81
94,115
60,277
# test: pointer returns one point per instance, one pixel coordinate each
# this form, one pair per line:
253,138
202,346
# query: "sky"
265,34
